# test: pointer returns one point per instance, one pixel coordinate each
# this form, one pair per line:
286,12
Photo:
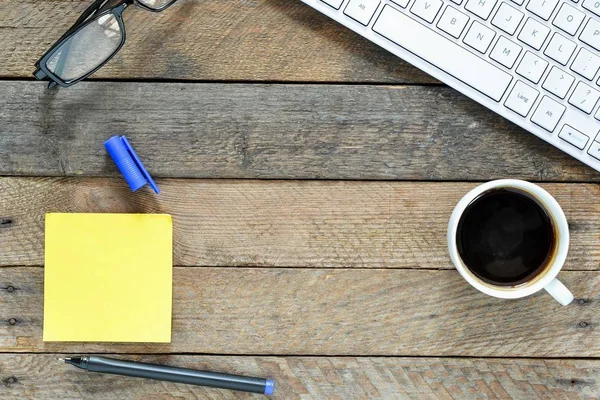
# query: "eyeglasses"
90,43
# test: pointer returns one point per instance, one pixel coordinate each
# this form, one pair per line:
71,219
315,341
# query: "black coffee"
505,237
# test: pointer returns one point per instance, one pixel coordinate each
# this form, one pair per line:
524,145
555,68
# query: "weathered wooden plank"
301,311
37,376
271,131
281,223
264,40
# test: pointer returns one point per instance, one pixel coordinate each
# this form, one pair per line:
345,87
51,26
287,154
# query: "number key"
592,5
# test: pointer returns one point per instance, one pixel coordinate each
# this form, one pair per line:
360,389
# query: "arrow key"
573,137
558,82
594,150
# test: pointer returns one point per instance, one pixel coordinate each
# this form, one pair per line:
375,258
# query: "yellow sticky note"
108,278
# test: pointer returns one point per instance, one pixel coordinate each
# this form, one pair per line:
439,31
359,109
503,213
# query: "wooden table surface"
310,176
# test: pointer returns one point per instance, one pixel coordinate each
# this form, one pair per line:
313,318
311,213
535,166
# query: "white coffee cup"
546,279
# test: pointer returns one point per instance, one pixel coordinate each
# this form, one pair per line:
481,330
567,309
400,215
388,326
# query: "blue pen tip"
269,387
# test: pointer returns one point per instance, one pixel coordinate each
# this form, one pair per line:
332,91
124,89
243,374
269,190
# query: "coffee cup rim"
554,211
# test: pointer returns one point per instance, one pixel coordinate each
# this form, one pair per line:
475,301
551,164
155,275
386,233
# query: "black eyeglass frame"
98,9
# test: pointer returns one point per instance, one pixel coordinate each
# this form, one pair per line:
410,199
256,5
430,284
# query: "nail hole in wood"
10,380
5,222
10,289
583,324
12,321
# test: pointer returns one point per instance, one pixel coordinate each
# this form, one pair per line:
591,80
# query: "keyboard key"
560,48
534,33
521,99
597,116
426,9
453,22
591,33
592,5
586,64
442,53
558,82
548,113
519,2
481,8
568,19
457,1
506,52
334,3
594,150
479,37
584,97
401,3
573,137
507,18
542,8
532,67
361,10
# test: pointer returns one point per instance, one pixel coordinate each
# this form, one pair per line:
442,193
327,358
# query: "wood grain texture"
39,377
249,40
334,312
281,223
271,131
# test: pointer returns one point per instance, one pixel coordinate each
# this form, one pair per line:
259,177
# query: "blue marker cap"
129,163
269,387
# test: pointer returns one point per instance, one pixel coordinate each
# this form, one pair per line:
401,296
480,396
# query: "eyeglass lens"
87,49
155,4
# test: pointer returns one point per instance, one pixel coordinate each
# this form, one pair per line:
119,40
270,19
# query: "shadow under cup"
507,238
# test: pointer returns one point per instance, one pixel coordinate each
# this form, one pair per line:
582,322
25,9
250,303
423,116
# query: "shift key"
442,53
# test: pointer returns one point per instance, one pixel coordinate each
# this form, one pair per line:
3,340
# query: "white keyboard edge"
497,107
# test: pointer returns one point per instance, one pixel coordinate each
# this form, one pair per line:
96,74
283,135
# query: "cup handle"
559,292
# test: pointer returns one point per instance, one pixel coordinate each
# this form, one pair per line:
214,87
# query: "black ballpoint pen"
172,374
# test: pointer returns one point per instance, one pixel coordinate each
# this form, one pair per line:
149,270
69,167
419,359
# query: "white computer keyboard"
534,62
